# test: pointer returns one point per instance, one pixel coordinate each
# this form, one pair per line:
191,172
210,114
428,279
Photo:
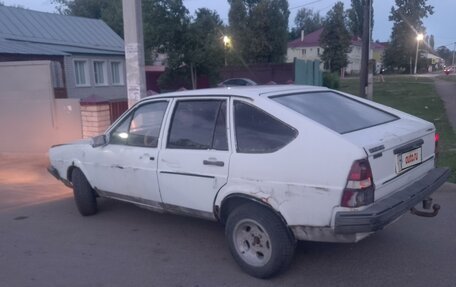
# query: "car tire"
84,194
259,240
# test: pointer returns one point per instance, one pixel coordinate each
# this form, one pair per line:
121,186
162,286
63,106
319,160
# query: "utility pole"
454,48
134,50
370,66
419,38
365,50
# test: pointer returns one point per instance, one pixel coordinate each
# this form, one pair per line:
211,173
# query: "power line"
449,44
324,8
306,4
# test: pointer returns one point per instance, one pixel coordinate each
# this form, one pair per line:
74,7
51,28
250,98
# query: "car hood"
77,142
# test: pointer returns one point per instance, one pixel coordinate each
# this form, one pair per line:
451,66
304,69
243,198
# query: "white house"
307,47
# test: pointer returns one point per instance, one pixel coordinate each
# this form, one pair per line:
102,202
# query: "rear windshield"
335,111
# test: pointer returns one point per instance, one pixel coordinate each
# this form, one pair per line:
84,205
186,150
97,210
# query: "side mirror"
99,141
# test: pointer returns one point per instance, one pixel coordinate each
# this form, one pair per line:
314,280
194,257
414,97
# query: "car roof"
245,79
241,91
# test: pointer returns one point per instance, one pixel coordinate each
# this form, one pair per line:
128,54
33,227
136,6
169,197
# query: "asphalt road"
446,91
45,242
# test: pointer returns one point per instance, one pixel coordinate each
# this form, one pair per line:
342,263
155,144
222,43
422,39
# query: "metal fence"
117,108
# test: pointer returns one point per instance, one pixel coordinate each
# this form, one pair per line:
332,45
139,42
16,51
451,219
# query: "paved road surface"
45,242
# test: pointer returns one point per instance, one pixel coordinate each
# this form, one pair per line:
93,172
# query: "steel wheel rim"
252,242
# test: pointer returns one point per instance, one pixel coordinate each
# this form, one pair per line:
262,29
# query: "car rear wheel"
84,195
258,240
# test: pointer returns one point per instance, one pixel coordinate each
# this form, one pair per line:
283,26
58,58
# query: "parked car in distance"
449,69
274,164
237,82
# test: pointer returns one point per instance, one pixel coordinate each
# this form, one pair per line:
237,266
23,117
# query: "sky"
441,24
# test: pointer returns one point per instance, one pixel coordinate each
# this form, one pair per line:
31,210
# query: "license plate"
409,159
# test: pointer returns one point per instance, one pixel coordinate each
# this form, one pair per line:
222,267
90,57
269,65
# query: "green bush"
331,80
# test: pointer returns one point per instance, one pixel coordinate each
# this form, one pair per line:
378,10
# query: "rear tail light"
360,188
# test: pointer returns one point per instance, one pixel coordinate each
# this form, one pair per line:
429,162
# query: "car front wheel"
84,195
259,241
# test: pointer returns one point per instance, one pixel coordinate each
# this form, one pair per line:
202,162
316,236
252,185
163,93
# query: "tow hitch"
427,203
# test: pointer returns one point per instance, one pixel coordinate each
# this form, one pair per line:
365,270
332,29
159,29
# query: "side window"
199,124
142,128
259,132
120,134
220,141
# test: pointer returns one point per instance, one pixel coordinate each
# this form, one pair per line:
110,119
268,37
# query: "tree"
259,29
206,57
238,28
306,20
446,54
407,18
335,39
431,42
203,54
355,17
164,22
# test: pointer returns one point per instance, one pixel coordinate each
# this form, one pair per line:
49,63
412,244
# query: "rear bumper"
386,210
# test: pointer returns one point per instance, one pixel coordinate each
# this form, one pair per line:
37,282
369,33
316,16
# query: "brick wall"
95,116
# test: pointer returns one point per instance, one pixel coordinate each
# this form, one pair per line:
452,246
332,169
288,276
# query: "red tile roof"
379,45
313,40
310,40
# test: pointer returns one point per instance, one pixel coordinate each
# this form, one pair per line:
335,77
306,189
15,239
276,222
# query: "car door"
194,160
126,167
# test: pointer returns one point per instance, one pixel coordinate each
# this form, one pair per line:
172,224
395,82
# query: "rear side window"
259,132
199,124
335,111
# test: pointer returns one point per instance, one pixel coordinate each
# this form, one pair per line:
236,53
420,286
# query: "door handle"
147,156
117,166
213,162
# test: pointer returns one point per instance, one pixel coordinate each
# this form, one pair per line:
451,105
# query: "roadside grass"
416,96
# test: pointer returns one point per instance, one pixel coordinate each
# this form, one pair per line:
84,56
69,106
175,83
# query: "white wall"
311,53
304,53
31,120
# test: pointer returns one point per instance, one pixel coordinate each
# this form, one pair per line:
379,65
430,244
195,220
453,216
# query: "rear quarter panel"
303,180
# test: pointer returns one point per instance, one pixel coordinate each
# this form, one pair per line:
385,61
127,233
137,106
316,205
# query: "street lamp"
226,40
419,38
226,43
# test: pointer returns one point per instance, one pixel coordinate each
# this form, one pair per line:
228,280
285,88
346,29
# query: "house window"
318,51
303,51
100,73
117,73
81,73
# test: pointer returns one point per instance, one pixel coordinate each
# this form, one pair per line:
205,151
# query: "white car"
237,82
274,164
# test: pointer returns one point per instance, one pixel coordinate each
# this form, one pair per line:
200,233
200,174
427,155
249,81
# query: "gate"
308,72
117,108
